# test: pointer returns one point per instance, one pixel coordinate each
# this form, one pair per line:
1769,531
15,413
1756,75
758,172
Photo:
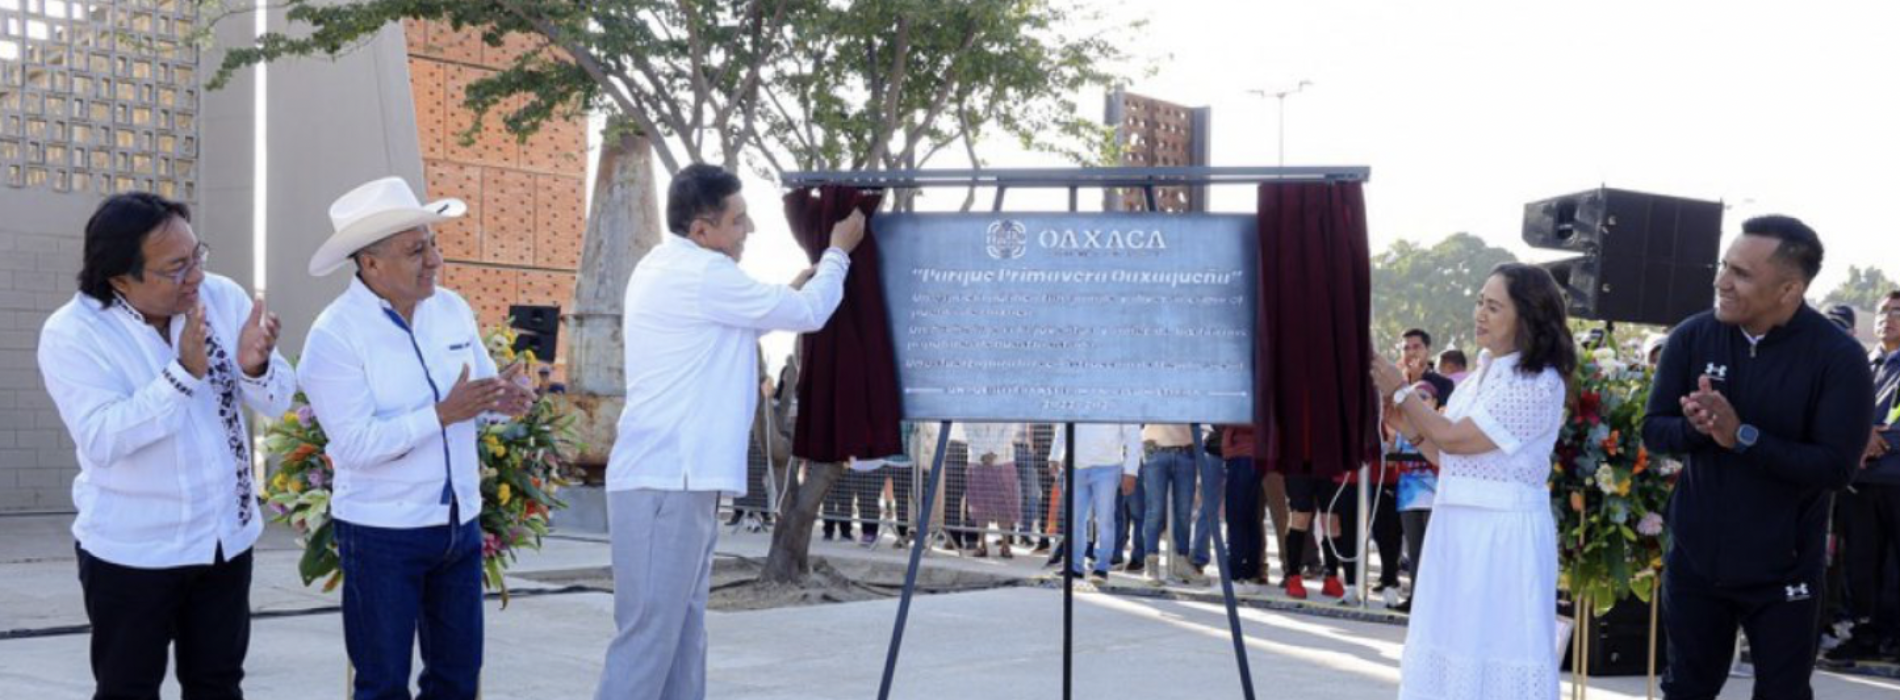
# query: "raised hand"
847,234
516,397
257,339
191,342
468,399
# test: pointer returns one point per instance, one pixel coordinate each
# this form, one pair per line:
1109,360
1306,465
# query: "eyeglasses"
199,256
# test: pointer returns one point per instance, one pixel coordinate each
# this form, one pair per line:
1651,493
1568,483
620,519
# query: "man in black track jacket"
1768,404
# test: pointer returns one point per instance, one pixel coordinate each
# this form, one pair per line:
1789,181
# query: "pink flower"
315,477
305,415
490,544
1651,525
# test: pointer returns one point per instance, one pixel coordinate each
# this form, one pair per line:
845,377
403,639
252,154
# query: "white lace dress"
1484,613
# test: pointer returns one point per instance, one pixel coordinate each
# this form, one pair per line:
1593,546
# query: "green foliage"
1431,288
793,84
1865,289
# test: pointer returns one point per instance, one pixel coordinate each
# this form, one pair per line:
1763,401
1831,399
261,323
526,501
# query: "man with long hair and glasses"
1483,623
151,365
1768,404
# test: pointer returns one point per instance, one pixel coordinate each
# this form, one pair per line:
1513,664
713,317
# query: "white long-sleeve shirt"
158,479
374,385
692,325
1103,445
993,438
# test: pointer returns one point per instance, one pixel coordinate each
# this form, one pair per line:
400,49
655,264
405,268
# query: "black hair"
698,190
115,239
1543,324
1420,334
1800,246
1454,356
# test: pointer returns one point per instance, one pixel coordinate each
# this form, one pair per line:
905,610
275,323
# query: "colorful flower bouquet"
1608,492
525,462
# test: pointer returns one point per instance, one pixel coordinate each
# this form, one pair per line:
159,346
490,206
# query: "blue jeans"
1097,492
1029,471
1213,492
1130,519
401,584
1167,478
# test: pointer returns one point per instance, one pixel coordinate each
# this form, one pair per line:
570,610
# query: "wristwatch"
1745,438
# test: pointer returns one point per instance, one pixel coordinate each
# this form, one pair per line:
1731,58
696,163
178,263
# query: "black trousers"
1245,520
1702,619
1871,516
200,613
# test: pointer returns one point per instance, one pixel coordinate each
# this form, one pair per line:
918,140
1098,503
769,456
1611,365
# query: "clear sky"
1465,111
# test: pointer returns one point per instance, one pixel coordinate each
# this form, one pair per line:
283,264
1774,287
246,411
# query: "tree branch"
900,70
604,77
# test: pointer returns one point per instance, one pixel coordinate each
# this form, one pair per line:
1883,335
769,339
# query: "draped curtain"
1315,409
848,399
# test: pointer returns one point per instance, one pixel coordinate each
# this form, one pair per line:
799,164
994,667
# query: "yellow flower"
1623,488
296,486
290,417
505,494
277,483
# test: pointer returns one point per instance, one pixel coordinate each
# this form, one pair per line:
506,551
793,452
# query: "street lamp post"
1281,95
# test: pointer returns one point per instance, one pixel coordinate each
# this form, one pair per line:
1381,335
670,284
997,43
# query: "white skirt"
1484,622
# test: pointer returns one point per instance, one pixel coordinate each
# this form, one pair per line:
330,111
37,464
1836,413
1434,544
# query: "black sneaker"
1135,566
1099,577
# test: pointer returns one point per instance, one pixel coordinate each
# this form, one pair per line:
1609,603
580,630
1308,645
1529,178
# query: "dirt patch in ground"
735,584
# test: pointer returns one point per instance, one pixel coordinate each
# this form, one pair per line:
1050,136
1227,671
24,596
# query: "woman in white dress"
1484,609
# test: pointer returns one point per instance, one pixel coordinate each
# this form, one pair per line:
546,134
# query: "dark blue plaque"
1088,318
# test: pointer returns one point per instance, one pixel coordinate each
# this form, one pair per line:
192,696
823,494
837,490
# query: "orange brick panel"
460,239
415,33
493,146
428,83
488,290
507,216
544,288
512,47
560,221
560,147
463,46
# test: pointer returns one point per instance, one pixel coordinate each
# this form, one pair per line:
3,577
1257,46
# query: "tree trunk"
622,225
789,561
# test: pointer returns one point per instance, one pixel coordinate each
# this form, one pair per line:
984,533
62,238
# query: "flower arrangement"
525,463
1608,492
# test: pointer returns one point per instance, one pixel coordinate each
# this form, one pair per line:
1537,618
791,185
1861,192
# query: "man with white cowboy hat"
397,373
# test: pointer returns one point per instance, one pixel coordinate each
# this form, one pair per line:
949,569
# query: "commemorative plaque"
1072,317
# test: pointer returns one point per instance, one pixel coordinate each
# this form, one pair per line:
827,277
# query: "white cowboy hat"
372,212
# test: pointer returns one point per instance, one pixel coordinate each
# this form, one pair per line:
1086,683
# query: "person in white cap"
397,373
151,365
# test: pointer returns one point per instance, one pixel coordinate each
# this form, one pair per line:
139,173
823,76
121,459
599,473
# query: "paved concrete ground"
995,644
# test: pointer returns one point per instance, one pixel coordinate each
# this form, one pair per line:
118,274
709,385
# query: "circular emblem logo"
1007,240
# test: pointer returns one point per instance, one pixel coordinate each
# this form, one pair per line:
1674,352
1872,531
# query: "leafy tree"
775,85
1433,288
1864,289
798,84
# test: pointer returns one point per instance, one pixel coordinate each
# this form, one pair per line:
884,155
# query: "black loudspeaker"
1646,258
1619,640
540,328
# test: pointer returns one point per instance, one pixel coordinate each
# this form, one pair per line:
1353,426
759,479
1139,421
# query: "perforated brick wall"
521,240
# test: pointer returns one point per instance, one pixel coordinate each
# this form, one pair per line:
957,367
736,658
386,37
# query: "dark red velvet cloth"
848,399
1315,412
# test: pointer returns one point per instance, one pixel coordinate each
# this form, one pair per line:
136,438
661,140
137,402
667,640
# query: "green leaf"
319,555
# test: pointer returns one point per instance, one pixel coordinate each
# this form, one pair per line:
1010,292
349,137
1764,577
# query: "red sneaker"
1332,588
1295,588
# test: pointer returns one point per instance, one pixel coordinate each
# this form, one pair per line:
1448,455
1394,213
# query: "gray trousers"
663,553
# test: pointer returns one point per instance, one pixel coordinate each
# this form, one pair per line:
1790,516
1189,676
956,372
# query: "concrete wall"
40,234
